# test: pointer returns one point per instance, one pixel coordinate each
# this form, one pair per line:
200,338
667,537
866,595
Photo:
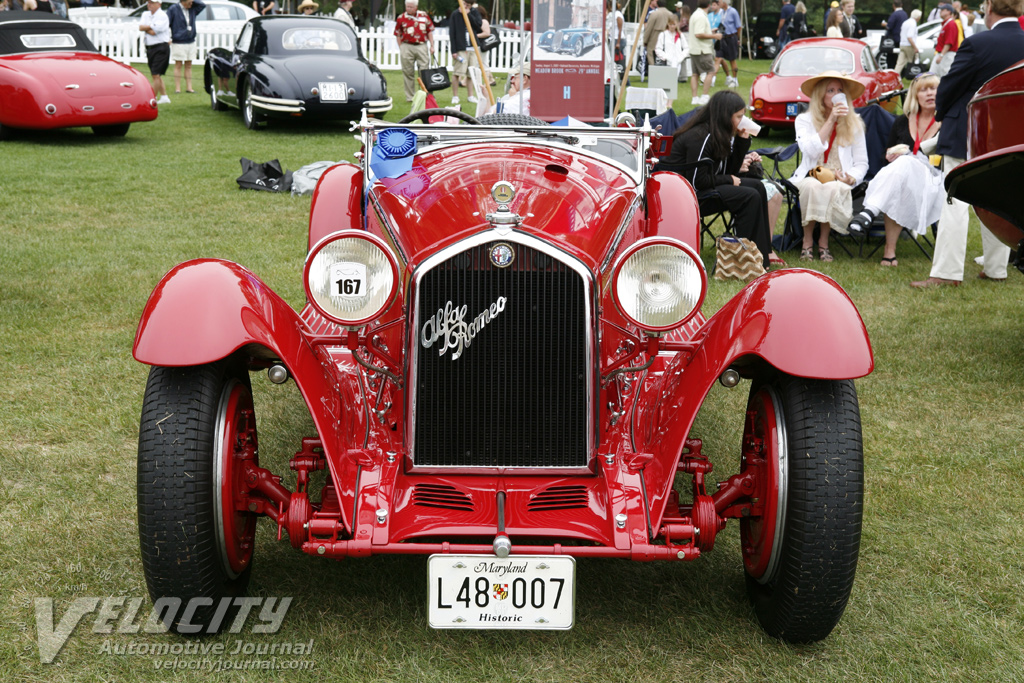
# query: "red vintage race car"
995,148
51,76
503,352
775,97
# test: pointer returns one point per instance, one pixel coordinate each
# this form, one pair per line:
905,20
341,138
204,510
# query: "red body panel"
71,82
337,202
776,91
993,132
575,200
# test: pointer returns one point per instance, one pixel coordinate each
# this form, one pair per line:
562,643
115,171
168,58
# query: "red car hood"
94,74
772,88
576,200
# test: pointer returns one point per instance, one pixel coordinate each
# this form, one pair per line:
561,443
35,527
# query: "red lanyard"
917,136
831,139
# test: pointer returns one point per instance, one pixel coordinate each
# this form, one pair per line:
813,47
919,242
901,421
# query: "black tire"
194,419
211,87
117,130
800,584
424,114
253,121
510,120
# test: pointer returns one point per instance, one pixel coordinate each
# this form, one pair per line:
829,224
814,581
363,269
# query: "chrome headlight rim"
650,242
352,234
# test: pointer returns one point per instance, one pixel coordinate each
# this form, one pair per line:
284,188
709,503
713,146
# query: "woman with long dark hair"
714,133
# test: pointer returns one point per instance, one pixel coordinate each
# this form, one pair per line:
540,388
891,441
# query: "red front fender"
205,310
798,321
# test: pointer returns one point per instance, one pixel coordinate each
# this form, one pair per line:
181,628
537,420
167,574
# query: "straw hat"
852,87
308,3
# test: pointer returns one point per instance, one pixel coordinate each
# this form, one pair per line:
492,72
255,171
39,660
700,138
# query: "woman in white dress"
909,190
830,134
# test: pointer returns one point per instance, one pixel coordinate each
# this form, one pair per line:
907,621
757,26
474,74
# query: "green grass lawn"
89,225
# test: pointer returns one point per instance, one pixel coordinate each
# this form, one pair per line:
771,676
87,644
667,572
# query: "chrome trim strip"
413,346
619,234
274,107
995,95
280,101
374,106
396,244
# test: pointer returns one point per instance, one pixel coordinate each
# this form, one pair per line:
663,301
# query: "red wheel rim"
765,450
235,435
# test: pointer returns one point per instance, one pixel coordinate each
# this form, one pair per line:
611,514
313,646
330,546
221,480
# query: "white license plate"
487,592
334,92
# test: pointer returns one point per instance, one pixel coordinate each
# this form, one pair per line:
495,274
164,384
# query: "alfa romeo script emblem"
449,327
502,255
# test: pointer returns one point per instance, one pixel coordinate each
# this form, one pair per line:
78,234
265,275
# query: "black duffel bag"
266,176
435,78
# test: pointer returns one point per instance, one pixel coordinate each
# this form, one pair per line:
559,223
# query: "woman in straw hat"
831,136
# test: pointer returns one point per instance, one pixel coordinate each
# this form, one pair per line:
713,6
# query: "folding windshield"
812,60
622,147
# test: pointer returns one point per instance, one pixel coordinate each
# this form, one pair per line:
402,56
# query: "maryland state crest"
500,591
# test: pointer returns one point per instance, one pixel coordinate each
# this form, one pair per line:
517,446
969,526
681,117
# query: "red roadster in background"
775,97
503,353
51,76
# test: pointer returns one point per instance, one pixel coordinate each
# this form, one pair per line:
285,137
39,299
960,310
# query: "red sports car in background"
775,97
51,76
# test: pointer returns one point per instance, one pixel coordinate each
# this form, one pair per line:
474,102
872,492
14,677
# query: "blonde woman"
908,192
830,134
832,27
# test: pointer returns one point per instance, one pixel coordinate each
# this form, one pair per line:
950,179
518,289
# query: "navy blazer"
979,58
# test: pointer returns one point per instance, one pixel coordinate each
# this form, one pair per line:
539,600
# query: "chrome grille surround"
571,265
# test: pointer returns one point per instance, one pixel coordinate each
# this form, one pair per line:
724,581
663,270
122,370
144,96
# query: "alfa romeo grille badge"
502,255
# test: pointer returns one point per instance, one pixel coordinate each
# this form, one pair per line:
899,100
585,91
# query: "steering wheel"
424,114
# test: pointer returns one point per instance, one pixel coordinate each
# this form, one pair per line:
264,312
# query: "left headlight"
351,277
659,284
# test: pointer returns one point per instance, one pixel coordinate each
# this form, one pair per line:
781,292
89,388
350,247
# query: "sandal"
807,254
824,254
889,261
775,260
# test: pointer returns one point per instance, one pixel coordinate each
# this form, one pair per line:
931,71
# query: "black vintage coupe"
295,66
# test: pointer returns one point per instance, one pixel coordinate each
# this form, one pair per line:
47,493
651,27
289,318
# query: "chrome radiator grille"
517,394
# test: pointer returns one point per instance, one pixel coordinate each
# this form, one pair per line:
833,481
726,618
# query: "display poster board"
567,60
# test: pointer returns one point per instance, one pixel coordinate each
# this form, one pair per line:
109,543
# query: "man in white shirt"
908,41
157,28
702,51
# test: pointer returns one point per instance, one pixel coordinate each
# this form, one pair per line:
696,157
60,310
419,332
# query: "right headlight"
351,277
659,283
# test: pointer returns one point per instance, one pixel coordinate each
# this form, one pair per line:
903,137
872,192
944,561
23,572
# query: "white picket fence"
123,41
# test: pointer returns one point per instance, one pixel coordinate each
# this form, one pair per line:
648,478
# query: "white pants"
951,241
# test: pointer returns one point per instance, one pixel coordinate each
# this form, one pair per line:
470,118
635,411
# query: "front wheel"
249,116
800,554
196,436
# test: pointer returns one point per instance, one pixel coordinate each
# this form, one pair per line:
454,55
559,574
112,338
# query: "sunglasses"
925,73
